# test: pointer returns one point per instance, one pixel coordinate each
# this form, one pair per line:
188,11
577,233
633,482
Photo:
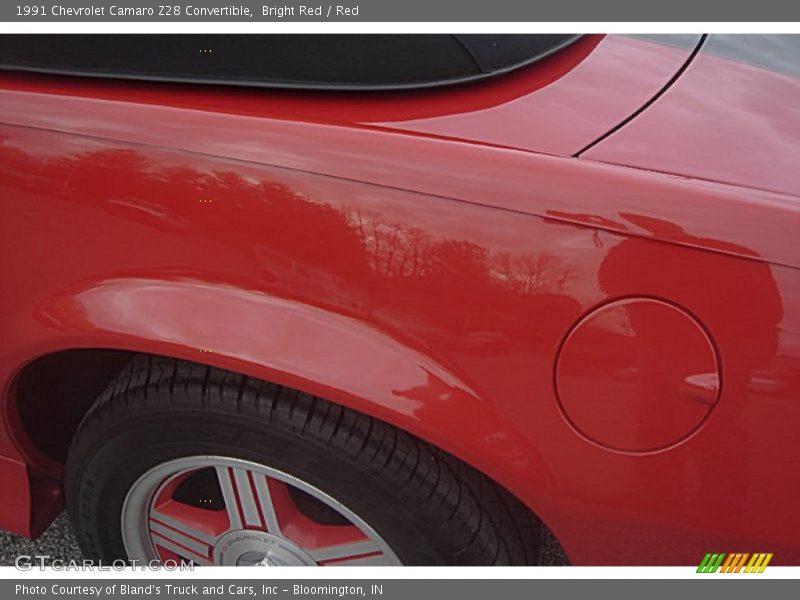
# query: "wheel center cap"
257,548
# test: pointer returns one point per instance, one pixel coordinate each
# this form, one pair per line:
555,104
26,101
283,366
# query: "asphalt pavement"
58,542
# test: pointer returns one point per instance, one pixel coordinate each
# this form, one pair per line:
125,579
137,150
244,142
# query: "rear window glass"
281,61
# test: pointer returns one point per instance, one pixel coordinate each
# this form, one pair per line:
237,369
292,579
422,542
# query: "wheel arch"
337,357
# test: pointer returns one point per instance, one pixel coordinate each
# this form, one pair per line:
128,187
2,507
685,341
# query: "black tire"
429,507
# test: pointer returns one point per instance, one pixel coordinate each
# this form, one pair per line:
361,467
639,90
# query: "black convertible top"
357,62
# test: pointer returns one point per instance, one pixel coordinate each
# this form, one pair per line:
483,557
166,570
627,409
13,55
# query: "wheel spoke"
218,510
266,503
361,553
180,537
248,499
179,550
228,486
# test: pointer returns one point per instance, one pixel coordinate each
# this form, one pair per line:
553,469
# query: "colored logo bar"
735,562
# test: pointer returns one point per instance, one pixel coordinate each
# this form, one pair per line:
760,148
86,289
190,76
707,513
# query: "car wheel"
180,461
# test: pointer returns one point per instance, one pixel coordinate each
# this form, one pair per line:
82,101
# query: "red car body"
580,278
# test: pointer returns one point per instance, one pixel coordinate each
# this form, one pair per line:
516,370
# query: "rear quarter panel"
425,282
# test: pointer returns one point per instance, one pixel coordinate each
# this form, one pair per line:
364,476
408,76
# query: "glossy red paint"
724,120
557,106
425,281
628,346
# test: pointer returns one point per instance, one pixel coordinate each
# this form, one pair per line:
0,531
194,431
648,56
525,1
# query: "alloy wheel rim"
215,510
